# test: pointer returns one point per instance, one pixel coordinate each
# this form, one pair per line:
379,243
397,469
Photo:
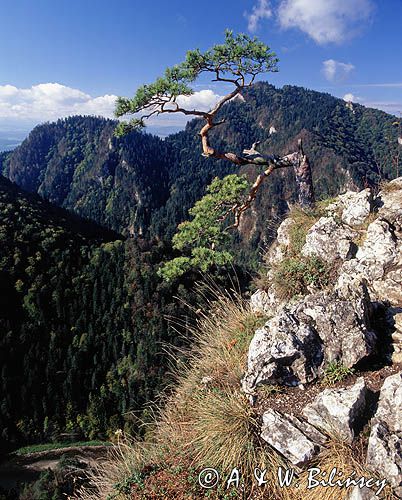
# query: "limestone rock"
329,240
378,261
389,200
389,408
398,321
342,325
397,358
384,452
300,340
379,248
337,411
312,432
397,336
264,301
352,207
356,207
295,439
281,352
384,455
362,494
267,301
379,258
277,250
283,232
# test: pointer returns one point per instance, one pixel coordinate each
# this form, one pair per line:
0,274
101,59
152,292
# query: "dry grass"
106,479
389,186
213,423
341,456
208,422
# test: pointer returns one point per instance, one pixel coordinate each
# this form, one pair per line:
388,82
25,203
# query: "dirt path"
26,468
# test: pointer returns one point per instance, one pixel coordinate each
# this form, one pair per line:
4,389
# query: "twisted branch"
274,162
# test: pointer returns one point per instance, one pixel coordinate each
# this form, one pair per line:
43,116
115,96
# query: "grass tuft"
294,275
336,372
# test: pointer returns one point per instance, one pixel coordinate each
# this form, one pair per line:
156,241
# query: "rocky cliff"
304,381
327,363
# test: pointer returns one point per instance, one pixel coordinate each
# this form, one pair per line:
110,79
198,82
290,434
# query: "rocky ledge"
350,327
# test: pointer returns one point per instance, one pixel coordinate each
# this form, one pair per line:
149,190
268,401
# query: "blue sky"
61,57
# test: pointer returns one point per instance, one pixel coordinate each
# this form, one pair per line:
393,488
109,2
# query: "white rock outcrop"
384,455
295,439
330,240
352,208
357,315
284,351
389,408
296,345
384,452
379,258
337,411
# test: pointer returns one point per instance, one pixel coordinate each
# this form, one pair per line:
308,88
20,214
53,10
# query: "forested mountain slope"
143,185
347,148
77,164
82,318
82,311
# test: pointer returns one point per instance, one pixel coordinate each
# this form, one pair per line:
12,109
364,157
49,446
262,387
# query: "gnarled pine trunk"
304,180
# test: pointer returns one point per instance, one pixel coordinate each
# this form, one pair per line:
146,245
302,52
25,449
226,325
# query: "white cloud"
325,21
261,10
26,107
49,101
202,100
380,85
387,106
335,71
350,98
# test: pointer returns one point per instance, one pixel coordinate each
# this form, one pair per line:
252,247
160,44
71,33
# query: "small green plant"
336,372
293,275
125,486
269,389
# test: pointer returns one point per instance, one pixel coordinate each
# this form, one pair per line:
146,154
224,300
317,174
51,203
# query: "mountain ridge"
144,185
